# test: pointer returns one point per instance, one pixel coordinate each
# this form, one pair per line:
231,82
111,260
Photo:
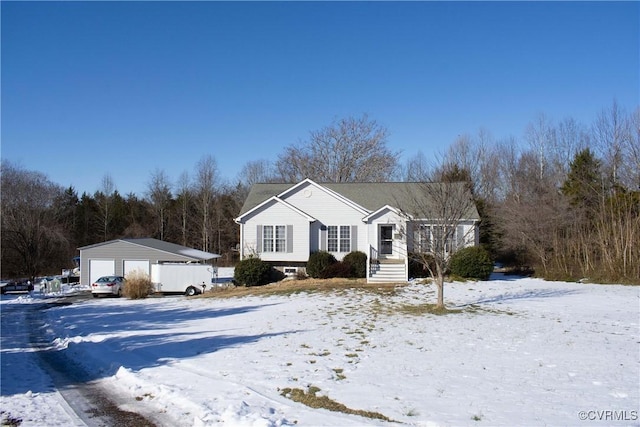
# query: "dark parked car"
15,287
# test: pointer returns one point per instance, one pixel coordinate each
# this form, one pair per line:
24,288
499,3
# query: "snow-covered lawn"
521,352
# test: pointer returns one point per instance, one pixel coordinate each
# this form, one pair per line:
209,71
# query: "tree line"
563,200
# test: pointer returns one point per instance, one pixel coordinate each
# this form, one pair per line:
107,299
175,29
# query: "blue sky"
126,88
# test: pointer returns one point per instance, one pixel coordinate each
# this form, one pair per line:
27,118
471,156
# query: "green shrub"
275,275
318,264
137,285
338,269
252,272
358,262
472,262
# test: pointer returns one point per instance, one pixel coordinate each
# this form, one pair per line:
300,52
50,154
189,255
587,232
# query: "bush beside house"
472,262
319,264
357,261
252,272
323,265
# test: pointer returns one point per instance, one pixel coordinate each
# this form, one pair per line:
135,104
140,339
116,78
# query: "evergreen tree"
583,183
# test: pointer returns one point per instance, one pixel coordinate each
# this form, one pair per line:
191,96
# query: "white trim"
276,199
394,228
382,209
329,191
339,238
274,238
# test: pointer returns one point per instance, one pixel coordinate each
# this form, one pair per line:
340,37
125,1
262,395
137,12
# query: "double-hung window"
274,238
339,238
431,238
424,238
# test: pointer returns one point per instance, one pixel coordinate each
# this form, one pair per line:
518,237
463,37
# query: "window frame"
276,242
339,238
430,238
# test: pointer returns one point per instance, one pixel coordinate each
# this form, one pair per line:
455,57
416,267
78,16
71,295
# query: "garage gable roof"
163,246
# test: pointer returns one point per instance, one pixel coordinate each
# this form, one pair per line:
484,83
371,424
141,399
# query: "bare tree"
540,135
478,156
31,235
507,168
258,171
610,131
476,160
253,172
533,211
633,150
104,198
348,150
416,168
159,197
571,138
437,209
184,196
205,193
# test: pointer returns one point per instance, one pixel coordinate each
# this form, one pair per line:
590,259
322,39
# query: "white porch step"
388,272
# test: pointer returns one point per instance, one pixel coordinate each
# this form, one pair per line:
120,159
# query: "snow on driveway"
522,352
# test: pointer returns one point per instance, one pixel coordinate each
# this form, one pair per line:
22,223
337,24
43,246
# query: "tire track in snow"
89,402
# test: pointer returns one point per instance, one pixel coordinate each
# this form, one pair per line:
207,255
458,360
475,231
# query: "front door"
386,239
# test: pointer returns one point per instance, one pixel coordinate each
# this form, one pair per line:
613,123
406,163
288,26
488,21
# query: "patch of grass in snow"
311,399
411,413
473,308
292,287
421,309
339,374
145,396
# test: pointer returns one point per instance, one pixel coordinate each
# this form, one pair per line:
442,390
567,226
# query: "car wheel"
95,295
191,291
119,293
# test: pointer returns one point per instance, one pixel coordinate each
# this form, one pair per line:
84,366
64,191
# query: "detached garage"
119,257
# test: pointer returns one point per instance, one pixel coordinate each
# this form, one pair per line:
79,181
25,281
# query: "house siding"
388,217
329,210
470,233
277,214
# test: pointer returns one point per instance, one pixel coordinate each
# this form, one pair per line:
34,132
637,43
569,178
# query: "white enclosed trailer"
189,279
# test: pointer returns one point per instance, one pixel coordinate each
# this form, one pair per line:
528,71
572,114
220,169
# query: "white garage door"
133,265
101,267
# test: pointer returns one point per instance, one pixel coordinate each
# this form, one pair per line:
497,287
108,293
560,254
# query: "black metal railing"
374,263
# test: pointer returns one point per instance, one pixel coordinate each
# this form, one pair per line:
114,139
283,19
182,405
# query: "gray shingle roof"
160,245
370,195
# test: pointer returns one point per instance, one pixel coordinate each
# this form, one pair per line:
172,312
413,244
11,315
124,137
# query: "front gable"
274,206
275,230
385,213
307,216
322,203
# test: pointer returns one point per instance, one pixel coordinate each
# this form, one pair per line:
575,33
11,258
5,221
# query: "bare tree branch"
348,150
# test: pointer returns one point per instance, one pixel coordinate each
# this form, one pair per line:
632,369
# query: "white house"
284,223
